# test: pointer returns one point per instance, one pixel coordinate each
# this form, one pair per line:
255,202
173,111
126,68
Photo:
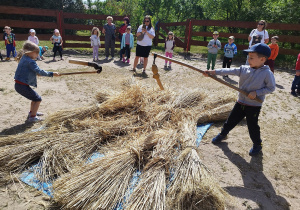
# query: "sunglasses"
261,24
146,21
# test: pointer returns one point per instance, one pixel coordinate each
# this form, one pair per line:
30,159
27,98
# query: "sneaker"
112,58
34,119
62,59
144,70
255,150
225,76
39,59
97,59
133,69
218,138
106,58
128,61
165,67
54,59
294,93
169,67
94,59
123,60
7,59
37,114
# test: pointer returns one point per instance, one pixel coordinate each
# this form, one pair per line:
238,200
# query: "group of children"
230,50
10,43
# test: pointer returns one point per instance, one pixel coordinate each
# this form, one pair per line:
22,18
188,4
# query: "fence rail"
59,23
184,42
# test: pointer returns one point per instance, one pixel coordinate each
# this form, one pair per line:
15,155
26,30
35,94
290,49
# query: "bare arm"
249,38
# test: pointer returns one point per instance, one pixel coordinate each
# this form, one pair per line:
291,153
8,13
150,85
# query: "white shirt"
95,40
34,39
147,41
258,37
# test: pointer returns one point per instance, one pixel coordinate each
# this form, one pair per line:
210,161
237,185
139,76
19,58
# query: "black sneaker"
294,93
218,139
255,150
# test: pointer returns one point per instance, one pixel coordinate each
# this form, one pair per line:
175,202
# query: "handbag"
141,37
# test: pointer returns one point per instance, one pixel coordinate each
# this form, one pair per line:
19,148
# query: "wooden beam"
28,24
27,11
90,16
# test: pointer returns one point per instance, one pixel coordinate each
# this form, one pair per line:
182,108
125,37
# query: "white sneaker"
37,114
34,119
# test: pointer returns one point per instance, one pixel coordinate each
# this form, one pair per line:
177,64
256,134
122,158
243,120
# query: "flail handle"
211,76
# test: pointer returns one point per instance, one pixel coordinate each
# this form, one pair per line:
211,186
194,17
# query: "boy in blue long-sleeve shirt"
256,79
230,50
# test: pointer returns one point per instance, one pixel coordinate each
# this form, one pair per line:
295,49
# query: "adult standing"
258,35
144,36
109,29
122,30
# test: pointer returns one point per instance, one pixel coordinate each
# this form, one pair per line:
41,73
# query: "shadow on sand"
256,187
16,129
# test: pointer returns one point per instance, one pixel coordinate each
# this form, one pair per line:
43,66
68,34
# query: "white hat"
56,31
31,31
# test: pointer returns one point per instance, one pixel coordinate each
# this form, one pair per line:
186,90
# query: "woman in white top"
259,35
143,46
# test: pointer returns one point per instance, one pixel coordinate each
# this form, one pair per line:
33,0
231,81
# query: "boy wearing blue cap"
257,80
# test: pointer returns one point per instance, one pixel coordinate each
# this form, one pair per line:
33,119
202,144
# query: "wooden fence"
184,42
60,24
187,41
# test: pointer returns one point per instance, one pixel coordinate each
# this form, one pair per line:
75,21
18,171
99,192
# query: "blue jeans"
11,49
27,92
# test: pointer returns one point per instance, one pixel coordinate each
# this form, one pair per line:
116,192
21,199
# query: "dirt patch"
270,181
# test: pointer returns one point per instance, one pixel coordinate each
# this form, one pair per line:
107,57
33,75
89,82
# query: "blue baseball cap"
260,48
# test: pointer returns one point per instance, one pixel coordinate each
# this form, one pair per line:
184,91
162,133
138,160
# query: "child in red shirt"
274,52
296,82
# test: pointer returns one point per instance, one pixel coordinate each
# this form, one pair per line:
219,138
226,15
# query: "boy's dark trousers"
238,113
295,83
227,61
127,50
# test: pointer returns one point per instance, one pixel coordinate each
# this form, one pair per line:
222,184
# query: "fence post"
186,34
62,26
190,36
157,34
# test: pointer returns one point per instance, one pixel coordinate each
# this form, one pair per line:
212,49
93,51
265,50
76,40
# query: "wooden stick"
86,63
211,76
156,76
80,72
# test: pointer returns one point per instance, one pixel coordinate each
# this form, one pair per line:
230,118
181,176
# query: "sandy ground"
269,181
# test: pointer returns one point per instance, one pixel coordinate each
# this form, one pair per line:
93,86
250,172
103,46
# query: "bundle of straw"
98,185
150,191
193,187
218,114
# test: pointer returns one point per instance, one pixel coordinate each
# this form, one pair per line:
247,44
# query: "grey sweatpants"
109,43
